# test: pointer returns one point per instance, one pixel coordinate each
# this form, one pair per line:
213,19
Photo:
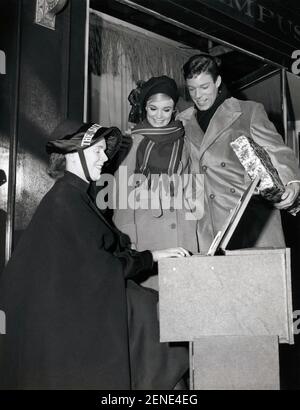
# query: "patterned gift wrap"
256,161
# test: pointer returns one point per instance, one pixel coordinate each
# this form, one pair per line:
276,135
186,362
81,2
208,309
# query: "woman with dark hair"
65,288
164,211
216,120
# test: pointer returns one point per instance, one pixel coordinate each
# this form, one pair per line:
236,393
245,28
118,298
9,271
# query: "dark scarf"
204,117
161,148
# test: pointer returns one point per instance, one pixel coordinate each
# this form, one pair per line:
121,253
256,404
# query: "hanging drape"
120,56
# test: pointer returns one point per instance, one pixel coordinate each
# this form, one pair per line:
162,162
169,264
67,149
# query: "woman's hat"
159,85
71,136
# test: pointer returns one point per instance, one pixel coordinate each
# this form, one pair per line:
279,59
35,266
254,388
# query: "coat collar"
75,181
83,187
224,117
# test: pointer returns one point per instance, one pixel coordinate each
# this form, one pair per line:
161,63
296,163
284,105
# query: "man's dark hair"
202,63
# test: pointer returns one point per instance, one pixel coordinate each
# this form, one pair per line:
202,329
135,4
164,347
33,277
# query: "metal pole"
12,166
284,104
86,77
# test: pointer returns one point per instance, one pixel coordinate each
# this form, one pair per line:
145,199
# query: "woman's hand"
170,253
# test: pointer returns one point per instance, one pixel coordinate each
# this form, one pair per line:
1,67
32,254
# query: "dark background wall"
51,88
8,44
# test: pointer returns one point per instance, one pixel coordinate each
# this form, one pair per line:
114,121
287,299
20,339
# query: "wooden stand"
233,309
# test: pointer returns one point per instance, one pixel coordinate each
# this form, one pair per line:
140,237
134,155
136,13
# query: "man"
216,120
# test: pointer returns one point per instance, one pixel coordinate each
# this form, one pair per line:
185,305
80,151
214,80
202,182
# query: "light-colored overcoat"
164,223
224,177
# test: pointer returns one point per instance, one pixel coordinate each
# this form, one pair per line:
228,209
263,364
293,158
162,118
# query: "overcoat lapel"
223,118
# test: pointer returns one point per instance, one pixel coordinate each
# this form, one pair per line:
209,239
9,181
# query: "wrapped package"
256,161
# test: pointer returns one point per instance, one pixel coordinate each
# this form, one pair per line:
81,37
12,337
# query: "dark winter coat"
65,299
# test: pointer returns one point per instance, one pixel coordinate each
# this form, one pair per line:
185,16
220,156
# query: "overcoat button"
212,196
223,164
204,168
232,190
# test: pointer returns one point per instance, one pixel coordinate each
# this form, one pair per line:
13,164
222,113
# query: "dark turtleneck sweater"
204,117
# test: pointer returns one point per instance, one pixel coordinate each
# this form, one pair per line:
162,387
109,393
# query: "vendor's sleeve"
135,262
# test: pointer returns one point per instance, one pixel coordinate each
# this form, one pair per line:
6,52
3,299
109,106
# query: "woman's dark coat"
65,299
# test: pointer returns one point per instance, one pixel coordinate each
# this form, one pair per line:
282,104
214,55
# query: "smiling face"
159,110
203,90
95,158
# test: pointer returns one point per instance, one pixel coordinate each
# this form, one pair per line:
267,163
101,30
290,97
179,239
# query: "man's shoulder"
230,104
246,107
238,103
247,104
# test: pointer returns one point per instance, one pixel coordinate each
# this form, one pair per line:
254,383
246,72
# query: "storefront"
255,40
47,76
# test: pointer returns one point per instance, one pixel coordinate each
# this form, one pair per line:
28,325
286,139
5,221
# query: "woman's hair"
159,97
57,165
202,63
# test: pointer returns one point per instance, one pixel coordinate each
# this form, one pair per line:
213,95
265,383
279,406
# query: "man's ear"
218,81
